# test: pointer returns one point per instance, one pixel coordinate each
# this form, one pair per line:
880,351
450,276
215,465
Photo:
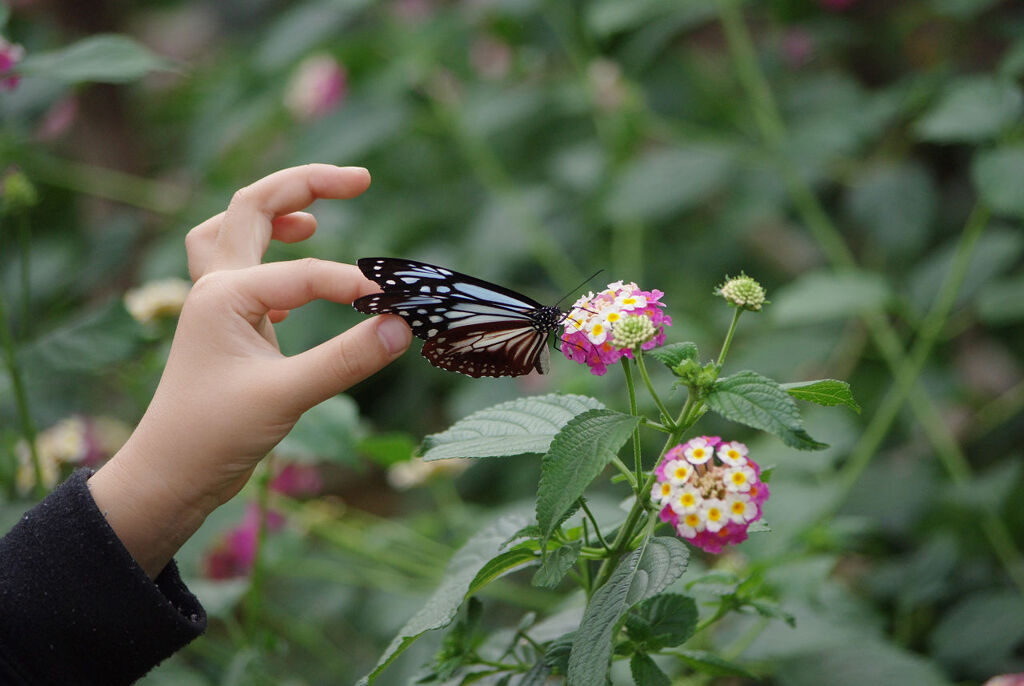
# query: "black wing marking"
471,326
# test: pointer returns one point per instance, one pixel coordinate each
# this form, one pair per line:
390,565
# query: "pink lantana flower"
718,501
589,326
297,480
10,55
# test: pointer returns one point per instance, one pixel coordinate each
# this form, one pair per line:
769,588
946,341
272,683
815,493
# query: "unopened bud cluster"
743,291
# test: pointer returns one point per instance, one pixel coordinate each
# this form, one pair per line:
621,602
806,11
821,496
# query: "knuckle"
347,364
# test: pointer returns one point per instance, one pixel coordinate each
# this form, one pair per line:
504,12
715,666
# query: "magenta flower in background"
297,480
234,555
317,86
1006,680
588,337
710,491
10,55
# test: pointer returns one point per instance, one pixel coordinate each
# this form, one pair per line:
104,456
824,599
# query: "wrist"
150,515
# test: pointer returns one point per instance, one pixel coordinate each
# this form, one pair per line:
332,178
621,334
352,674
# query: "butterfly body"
470,326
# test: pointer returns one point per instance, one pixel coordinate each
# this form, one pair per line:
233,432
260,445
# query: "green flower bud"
742,291
632,331
18,192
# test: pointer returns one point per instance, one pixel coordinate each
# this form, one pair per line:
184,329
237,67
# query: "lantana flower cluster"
589,326
710,490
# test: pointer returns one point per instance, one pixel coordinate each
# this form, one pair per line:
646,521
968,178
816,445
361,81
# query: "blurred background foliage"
861,158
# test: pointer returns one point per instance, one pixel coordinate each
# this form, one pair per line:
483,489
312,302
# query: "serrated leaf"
506,562
757,401
674,353
646,673
106,58
772,611
517,427
578,453
557,654
643,573
712,665
442,606
828,392
536,676
557,565
664,621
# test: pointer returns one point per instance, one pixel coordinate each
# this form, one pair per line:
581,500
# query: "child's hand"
227,395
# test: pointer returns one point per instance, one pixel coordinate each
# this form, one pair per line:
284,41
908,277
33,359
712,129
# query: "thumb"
347,359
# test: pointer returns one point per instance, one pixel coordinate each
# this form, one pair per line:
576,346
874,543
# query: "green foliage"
828,392
642,574
102,58
521,426
578,454
755,400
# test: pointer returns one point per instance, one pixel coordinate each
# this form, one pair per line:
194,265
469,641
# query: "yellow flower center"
682,473
738,507
613,317
692,519
739,478
666,488
714,514
687,499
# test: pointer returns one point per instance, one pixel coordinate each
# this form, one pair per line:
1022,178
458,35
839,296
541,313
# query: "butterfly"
470,326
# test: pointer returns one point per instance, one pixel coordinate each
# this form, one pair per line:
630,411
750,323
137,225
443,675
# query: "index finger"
246,229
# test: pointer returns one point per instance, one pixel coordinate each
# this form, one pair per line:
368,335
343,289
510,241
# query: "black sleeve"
75,608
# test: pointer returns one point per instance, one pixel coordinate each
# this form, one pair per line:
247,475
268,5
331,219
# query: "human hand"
227,395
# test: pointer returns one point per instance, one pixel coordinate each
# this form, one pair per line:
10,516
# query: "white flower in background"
156,299
404,475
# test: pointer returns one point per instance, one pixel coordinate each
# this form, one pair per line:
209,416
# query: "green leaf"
984,626
757,401
106,58
664,621
646,673
578,453
895,204
828,392
972,109
710,664
643,573
773,611
557,565
557,654
827,296
1002,302
996,174
537,675
499,566
663,182
855,663
442,606
517,427
88,343
326,431
674,353
5,14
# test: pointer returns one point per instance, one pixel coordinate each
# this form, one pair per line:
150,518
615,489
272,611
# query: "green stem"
28,427
639,356
254,596
728,338
593,520
24,238
630,477
637,459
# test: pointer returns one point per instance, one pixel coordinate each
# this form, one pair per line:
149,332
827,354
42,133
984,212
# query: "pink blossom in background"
58,119
297,480
1006,680
10,55
490,57
797,47
234,555
318,85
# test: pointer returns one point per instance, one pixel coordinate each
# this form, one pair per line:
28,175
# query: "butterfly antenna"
585,282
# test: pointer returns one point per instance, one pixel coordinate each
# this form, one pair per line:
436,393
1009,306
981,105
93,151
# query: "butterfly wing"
471,326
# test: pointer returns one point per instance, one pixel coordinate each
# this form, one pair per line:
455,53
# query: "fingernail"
394,334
